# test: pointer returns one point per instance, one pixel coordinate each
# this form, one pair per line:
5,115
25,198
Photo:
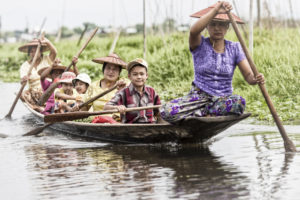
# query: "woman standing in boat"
215,60
34,86
112,67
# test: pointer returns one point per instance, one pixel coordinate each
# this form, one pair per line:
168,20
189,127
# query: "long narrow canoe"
194,129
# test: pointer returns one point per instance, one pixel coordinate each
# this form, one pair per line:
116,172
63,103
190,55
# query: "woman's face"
80,87
32,52
217,30
111,72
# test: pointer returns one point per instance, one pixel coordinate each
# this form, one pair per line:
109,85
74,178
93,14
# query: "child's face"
138,76
80,87
67,88
56,73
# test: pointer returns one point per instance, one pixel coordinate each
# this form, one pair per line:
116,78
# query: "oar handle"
52,87
37,52
288,144
84,114
83,47
243,44
127,110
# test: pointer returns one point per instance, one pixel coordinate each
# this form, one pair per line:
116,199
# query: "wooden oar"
52,87
84,114
288,144
40,129
37,52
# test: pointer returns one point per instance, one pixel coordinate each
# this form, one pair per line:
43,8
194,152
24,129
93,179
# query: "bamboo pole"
251,27
144,33
288,144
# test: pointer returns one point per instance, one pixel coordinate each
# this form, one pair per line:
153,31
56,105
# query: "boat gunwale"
200,119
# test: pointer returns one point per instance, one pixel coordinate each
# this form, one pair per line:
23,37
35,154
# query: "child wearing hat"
34,86
52,72
81,84
66,96
137,94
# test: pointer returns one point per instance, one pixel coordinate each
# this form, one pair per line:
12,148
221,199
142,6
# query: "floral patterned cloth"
198,103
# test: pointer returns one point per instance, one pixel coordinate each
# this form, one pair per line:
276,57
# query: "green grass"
276,55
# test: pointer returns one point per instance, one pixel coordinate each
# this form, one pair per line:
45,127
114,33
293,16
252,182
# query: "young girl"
66,96
52,72
81,84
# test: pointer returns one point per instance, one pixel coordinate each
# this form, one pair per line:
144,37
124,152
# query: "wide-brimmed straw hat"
33,43
137,62
218,17
112,58
67,77
56,65
82,77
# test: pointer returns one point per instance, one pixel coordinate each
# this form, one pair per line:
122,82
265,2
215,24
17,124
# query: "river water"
245,162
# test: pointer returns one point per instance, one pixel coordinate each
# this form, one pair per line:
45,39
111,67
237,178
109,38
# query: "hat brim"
66,81
79,79
218,17
24,48
60,67
115,61
135,63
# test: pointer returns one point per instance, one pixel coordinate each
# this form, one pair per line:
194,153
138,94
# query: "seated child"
66,96
81,84
137,94
52,72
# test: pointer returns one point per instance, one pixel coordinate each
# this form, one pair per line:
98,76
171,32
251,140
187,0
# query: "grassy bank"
276,54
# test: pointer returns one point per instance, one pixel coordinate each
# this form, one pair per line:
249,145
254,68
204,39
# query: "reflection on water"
137,171
245,162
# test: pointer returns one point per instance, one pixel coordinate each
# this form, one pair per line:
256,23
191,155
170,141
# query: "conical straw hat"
218,17
56,65
112,58
33,43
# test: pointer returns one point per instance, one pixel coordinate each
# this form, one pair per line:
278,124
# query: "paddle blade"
44,98
66,116
37,130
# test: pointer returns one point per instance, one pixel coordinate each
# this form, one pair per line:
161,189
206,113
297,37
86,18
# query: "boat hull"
194,129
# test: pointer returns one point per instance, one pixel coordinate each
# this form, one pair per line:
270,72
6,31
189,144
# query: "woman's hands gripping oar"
288,144
54,85
84,114
40,129
37,52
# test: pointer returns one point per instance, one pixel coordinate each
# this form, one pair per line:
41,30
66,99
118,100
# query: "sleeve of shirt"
240,55
45,84
23,70
198,47
117,99
55,92
156,99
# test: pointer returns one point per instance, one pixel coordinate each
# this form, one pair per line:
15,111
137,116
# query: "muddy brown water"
247,161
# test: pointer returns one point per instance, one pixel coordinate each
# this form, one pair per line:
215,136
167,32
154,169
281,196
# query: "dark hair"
87,85
30,47
51,72
104,65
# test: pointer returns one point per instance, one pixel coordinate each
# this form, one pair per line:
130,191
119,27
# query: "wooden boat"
194,129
